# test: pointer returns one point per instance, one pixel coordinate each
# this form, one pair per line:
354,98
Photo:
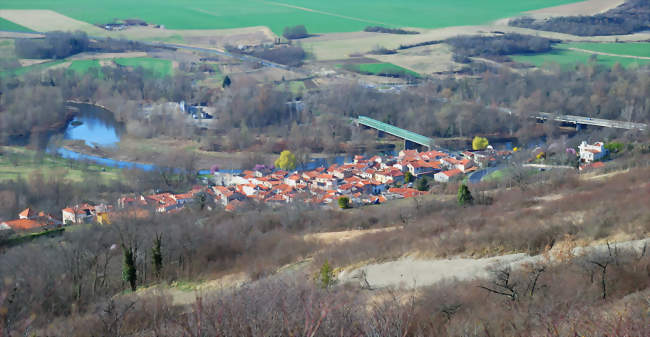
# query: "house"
421,167
446,176
78,214
591,152
464,165
389,176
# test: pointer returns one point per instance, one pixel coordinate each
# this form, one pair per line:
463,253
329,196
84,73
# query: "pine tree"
156,255
344,202
226,82
326,275
129,273
464,195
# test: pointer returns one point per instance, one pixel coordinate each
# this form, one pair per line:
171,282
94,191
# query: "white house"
590,153
445,176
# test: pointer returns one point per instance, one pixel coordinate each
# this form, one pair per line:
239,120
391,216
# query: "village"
362,181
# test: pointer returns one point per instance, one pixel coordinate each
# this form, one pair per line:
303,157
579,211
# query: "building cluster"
363,180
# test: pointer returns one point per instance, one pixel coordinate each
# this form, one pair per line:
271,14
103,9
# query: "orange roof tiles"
23,224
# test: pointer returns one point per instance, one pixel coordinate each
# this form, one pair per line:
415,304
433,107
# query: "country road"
609,54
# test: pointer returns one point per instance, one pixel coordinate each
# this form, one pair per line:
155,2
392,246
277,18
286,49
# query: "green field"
160,67
319,16
83,66
383,69
567,58
10,26
20,162
623,48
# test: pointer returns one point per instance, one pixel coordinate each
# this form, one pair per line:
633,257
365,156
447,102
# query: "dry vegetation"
533,216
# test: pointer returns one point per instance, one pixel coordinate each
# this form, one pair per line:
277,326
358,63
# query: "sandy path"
609,54
412,272
342,236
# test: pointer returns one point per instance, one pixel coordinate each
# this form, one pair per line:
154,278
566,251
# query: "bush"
344,202
497,46
385,30
295,32
56,45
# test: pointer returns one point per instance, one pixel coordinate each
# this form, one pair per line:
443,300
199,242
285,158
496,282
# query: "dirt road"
412,272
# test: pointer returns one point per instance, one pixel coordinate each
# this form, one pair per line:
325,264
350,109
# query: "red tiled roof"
23,224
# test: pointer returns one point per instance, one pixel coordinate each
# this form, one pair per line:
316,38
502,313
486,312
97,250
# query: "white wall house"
591,152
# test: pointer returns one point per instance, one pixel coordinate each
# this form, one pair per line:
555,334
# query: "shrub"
344,202
295,32
464,195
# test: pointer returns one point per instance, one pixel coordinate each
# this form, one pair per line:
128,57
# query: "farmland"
159,67
579,53
382,69
10,26
633,49
319,16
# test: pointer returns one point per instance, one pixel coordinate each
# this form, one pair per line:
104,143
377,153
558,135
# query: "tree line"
497,47
630,17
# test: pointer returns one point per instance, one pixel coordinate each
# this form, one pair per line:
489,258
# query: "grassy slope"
10,26
160,67
349,15
567,58
628,48
18,161
83,66
378,68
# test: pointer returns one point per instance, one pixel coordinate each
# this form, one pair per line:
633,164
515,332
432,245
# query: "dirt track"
412,272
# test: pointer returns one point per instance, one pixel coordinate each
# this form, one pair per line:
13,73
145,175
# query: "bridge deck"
395,131
592,121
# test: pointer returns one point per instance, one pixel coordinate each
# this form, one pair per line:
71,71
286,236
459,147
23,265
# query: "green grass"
20,162
84,66
380,69
568,58
10,26
328,16
159,67
624,48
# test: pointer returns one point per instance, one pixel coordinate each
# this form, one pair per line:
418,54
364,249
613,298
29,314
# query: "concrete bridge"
579,120
411,139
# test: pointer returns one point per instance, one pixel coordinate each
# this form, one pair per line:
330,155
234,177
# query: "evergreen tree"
156,255
464,195
326,275
408,177
226,82
129,273
344,202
